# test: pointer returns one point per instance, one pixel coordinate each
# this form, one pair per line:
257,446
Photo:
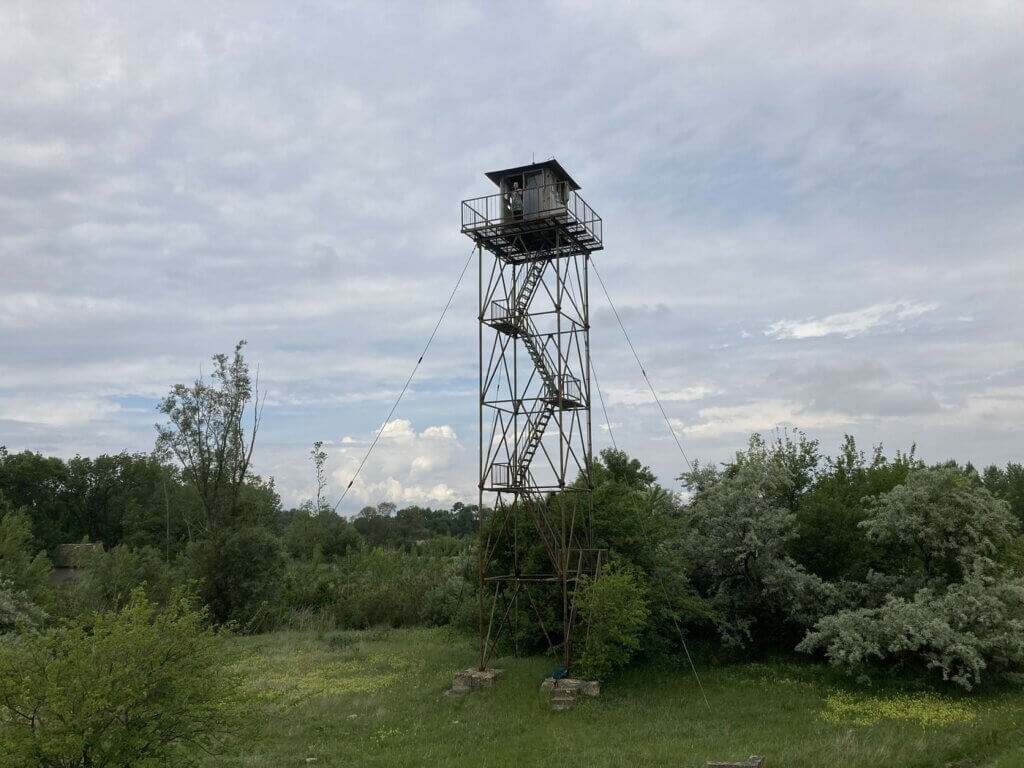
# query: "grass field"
375,699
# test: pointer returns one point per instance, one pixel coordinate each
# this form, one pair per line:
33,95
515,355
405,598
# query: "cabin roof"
497,176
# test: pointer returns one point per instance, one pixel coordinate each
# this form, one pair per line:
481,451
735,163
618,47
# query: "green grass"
374,699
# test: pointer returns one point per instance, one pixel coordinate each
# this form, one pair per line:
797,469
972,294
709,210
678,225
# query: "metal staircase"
529,287
537,420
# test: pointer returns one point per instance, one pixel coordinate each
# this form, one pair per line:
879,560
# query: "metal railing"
572,388
500,475
532,204
500,311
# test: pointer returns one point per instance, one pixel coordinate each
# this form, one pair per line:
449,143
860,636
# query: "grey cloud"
177,178
863,389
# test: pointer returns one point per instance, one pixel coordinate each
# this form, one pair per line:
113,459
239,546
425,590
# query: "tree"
113,576
205,433
38,485
319,457
1008,485
324,532
936,527
377,524
24,571
743,528
124,498
940,599
618,466
830,542
17,611
147,686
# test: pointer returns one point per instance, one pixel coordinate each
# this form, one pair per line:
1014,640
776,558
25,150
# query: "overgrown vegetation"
140,686
873,563
370,698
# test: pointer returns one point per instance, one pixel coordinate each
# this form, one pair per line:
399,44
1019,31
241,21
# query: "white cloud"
761,416
850,324
73,412
642,396
404,467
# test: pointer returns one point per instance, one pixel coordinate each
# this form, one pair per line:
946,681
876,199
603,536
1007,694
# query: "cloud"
850,324
995,408
405,467
642,396
761,416
71,412
865,389
180,177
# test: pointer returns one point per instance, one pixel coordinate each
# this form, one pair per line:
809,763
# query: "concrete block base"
754,761
470,679
563,693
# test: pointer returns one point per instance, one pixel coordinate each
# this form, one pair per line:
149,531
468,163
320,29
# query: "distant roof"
497,176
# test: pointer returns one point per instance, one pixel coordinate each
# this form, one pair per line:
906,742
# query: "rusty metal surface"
535,406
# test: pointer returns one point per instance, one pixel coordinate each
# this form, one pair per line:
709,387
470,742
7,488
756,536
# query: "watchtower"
535,428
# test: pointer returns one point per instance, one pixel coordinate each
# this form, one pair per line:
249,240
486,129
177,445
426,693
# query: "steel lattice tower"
535,428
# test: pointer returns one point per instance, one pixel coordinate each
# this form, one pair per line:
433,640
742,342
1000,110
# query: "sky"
813,219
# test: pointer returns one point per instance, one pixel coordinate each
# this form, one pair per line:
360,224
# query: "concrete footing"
470,679
563,693
754,761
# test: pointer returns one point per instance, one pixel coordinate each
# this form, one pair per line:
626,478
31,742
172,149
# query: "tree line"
869,561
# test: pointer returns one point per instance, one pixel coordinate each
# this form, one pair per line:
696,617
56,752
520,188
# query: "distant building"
71,560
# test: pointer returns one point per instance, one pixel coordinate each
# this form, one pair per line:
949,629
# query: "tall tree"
206,434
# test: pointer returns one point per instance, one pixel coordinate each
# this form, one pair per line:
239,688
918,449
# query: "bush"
240,576
940,600
147,686
111,577
381,587
378,588
937,527
17,611
973,626
613,609
743,529
310,585
451,599
26,572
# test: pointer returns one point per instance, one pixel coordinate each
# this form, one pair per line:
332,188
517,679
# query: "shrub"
450,599
378,588
111,577
973,626
240,575
310,585
26,572
17,611
613,609
937,527
743,528
148,686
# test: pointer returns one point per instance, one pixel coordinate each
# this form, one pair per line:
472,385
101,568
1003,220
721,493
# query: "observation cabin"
536,213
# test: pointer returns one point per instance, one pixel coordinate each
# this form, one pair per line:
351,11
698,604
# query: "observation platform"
539,222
